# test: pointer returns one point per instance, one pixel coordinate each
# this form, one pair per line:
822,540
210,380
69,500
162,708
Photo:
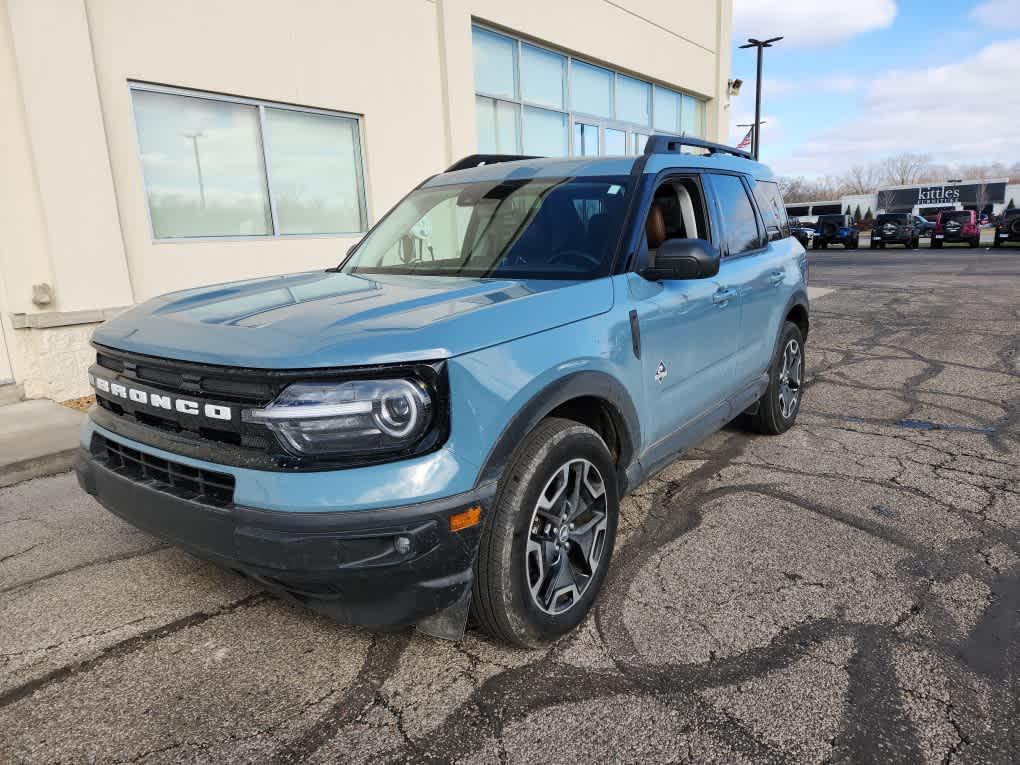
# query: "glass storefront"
533,100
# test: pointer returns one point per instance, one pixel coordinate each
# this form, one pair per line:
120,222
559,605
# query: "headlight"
356,417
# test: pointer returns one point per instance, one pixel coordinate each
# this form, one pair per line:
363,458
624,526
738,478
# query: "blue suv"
445,423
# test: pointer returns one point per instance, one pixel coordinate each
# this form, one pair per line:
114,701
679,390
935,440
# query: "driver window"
677,212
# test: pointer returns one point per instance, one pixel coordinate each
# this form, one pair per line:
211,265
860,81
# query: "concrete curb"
38,467
37,438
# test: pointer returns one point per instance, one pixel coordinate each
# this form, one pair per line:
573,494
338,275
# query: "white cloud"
809,86
957,113
805,24
997,13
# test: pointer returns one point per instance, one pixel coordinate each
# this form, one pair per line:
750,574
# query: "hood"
327,319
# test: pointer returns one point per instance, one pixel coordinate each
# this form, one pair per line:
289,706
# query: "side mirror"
683,259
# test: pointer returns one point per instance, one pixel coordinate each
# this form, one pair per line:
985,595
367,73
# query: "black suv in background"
1008,228
835,229
803,232
895,228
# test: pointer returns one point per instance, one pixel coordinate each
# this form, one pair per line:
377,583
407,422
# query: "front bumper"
344,564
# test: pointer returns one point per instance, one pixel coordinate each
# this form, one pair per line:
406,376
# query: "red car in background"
957,226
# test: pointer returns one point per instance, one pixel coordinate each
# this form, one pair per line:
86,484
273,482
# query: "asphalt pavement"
847,592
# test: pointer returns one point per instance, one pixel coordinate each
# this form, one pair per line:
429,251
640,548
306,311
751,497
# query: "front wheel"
548,539
778,407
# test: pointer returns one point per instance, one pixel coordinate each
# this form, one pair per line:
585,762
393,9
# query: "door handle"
776,278
723,296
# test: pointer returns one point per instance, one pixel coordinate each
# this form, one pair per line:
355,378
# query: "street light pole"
198,162
760,45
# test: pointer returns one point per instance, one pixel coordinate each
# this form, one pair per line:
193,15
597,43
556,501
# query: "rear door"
753,267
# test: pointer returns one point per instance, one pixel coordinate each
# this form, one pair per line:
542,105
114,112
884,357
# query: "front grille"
172,477
191,432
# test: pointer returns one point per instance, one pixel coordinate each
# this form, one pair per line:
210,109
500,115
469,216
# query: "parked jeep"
1008,228
957,226
448,419
836,229
894,228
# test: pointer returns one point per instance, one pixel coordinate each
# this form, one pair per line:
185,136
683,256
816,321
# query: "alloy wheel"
790,379
566,537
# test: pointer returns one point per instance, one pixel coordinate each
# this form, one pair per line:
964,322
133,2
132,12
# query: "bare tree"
906,168
862,179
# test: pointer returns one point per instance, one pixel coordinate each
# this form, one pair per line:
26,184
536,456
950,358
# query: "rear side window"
739,223
773,212
890,218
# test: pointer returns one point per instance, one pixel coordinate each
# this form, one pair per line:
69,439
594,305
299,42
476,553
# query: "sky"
855,81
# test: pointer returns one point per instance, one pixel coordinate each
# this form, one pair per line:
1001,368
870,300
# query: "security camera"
735,87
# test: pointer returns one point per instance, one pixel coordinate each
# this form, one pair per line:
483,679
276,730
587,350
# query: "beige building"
150,146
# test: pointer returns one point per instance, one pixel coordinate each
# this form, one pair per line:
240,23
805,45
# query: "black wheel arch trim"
798,300
576,385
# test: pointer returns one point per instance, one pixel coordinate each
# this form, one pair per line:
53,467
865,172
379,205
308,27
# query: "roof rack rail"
672,144
477,160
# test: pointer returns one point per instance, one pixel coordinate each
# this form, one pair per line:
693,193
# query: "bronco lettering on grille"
159,401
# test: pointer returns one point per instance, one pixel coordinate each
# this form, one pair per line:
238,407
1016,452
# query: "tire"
874,245
517,536
881,245
816,245
976,242
825,245
774,417
997,242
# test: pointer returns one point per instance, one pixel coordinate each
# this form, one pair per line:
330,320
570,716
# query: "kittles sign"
903,200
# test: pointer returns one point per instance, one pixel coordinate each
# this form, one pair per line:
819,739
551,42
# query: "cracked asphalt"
847,592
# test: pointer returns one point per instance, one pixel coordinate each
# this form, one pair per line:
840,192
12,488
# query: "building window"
539,101
226,167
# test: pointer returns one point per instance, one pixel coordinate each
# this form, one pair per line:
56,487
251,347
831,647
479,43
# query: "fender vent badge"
660,372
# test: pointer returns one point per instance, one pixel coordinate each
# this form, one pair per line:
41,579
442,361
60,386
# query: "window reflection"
315,166
591,89
498,128
203,166
545,133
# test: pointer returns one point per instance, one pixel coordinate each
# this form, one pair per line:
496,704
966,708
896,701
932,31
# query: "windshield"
1010,214
539,228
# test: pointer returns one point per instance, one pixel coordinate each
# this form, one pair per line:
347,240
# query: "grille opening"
171,379
155,421
221,436
109,405
109,362
173,477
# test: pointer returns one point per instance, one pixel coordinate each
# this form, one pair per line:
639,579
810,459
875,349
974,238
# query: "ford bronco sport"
835,229
446,422
895,228
1008,228
956,226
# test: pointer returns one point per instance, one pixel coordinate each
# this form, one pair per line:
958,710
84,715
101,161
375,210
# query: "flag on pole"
747,139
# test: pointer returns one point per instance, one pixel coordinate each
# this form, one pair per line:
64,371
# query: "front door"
688,329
